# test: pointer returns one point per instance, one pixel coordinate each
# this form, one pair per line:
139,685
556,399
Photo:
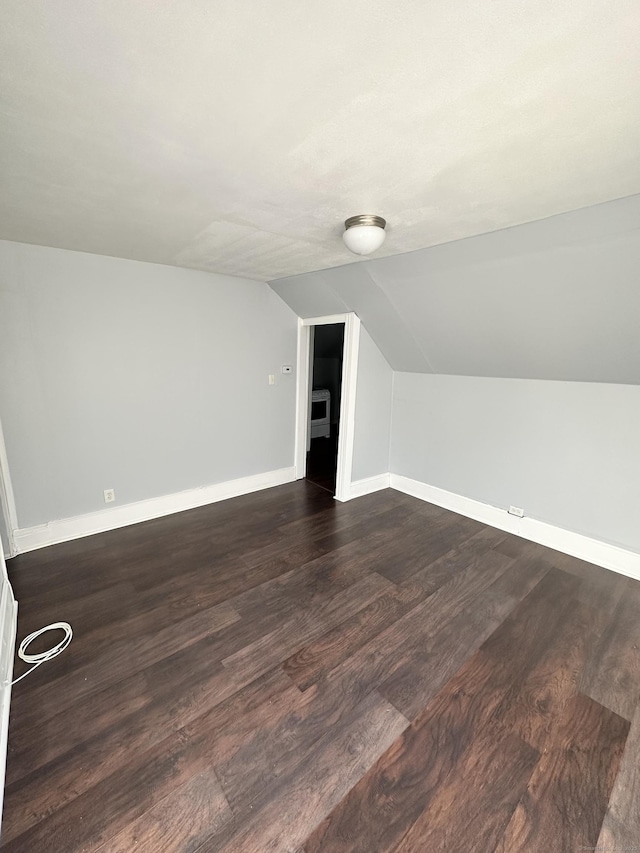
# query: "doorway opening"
327,355
344,411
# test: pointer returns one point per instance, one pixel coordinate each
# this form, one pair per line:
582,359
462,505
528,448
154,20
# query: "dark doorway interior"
322,455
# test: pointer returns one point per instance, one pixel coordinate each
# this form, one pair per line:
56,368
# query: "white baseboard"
367,486
64,529
576,544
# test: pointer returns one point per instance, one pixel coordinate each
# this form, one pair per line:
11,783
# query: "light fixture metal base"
365,219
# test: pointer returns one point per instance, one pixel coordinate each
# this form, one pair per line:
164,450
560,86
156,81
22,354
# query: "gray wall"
553,299
139,377
373,411
566,452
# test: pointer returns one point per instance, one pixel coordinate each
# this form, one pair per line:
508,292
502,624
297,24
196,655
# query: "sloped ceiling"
554,299
236,137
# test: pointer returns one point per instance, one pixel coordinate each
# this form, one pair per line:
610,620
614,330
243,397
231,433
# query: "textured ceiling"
554,299
236,136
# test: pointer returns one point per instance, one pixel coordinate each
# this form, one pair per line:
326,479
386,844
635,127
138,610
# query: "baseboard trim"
576,544
65,529
367,485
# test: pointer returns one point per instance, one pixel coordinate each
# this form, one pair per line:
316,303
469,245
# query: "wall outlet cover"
516,510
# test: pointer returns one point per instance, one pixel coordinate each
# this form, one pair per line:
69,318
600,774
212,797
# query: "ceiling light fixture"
364,233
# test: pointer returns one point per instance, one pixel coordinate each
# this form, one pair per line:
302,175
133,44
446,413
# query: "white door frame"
346,431
7,501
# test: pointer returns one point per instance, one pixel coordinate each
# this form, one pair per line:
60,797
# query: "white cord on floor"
50,653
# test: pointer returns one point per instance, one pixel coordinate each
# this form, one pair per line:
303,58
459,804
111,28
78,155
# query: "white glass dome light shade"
364,234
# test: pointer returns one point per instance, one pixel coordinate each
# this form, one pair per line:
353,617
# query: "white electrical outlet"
109,495
515,510
272,379
287,368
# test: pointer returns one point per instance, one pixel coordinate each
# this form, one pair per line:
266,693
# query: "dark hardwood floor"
281,672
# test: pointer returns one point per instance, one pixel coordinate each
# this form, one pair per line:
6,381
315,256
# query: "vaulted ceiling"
554,299
237,136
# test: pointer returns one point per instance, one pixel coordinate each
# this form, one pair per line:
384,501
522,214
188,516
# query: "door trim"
346,429
7,500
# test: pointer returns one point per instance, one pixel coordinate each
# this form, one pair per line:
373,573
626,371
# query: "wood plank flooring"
281,672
